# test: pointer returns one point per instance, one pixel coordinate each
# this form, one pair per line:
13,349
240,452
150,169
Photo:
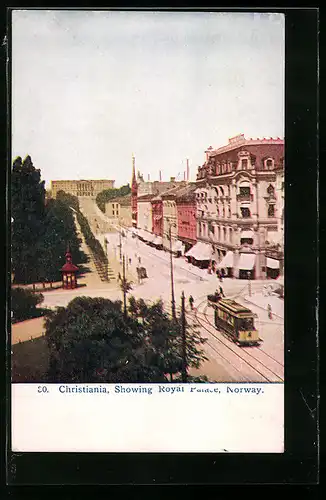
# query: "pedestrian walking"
119,277
139,260
130,261
191,302
221,292
269,310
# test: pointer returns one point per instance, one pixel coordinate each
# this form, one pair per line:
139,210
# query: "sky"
91,88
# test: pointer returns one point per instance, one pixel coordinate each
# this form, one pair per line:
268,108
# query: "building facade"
157,215
186,216
89,188
144,212
118,210
134,194
238,207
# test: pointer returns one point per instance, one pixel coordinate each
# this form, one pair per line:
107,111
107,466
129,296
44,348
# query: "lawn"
30,360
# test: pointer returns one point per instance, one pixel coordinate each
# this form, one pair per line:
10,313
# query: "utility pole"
183,333
120,243
124,287
249,283
172,280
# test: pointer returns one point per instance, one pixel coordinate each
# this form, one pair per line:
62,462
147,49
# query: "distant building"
118,210
239,206
80,188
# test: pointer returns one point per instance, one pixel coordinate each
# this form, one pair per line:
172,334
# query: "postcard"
147,231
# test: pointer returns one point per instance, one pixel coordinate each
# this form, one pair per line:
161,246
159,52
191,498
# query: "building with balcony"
238,206
81,188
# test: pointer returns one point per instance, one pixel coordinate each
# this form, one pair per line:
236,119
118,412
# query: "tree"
40,231
91,341
27,211
23,304
164,337
108,194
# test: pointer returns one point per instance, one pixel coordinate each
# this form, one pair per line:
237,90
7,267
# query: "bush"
23,304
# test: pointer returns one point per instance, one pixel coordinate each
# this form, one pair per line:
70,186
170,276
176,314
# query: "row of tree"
90,239
108,194
41,229
92,340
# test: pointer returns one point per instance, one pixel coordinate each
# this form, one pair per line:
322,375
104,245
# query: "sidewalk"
259,300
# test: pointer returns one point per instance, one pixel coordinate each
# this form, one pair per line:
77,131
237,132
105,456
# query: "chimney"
172,179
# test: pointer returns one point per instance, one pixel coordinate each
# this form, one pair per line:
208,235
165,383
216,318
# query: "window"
271,211
245,191
229,212
245,212
244,164
269,163
271,190
113,212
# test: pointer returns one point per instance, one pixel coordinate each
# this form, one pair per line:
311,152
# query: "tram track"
265,376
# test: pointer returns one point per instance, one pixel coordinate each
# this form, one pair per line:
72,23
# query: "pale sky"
91,88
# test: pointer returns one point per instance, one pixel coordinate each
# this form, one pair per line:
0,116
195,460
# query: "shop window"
245,212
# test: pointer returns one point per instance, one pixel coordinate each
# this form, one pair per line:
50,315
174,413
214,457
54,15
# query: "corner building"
238,207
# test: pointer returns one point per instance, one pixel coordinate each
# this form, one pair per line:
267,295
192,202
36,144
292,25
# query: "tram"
236,322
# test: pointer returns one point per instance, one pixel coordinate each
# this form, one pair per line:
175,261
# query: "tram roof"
234,307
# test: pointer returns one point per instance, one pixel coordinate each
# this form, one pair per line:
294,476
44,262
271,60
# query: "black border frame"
300,462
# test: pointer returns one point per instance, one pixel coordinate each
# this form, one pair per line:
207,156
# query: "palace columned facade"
89,188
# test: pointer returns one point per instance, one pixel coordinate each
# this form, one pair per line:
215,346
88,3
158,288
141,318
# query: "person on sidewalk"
221,292
191,302
269,311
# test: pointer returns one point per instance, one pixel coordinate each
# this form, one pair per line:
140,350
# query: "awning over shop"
247,234
247,261
150,237
200,251
158,240
227,260
272,263
177,246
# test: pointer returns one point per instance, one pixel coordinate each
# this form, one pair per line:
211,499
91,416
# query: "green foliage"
108,194
40,230
23,304
27,212
90,239
91,340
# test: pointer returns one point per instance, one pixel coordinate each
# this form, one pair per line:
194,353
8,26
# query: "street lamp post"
172,279
249,283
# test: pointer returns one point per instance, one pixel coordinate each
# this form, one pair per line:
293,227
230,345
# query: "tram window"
247,324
